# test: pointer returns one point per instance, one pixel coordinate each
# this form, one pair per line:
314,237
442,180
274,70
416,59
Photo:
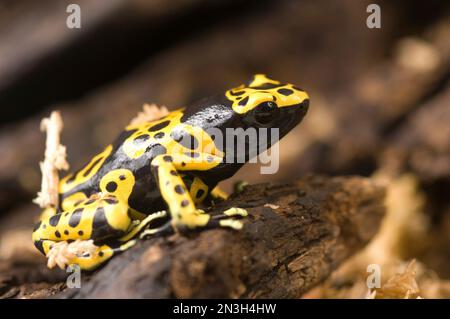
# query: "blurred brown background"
379,97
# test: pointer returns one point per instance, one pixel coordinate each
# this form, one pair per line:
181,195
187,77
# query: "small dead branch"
55,159
150,112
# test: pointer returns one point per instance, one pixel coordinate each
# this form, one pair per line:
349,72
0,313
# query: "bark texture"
287,247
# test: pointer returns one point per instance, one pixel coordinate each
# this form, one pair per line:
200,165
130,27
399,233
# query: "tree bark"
285,248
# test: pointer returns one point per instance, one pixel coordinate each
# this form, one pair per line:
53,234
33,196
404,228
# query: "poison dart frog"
150,180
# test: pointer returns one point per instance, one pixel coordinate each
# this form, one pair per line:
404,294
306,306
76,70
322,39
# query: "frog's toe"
146,234
236,211
231,212
231,223
152,232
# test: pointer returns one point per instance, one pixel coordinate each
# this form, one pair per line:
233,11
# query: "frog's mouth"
300,107
295,113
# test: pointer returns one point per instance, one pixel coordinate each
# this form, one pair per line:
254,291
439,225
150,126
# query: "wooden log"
296,235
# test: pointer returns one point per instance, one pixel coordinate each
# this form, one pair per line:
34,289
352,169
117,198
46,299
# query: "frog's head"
266,103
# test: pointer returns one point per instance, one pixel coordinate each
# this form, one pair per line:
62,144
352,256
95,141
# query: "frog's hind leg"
97,256
227,218
101,217
82,253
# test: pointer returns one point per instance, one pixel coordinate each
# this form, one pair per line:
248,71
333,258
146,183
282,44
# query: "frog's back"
134,150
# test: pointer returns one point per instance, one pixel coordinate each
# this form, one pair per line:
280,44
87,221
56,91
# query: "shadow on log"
287,247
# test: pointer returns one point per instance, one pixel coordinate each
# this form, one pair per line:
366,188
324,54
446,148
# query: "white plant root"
55,159
150,112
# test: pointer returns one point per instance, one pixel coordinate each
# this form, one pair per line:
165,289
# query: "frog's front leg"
182,209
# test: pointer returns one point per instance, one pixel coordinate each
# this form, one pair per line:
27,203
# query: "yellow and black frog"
151,178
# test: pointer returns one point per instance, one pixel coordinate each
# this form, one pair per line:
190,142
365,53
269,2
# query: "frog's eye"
266,112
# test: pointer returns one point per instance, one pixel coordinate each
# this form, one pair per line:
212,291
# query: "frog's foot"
226,219
204,220
200,220
59,255
231,223
167,228
62,253
102,217
83,253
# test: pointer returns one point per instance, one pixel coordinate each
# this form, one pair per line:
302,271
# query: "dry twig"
55,159
150,112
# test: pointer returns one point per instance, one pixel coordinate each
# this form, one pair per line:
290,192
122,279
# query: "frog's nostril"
304,105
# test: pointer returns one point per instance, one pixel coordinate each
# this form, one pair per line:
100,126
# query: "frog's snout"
304,106
299,110
300,101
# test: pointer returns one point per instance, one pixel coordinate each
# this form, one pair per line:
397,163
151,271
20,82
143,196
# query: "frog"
151,180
